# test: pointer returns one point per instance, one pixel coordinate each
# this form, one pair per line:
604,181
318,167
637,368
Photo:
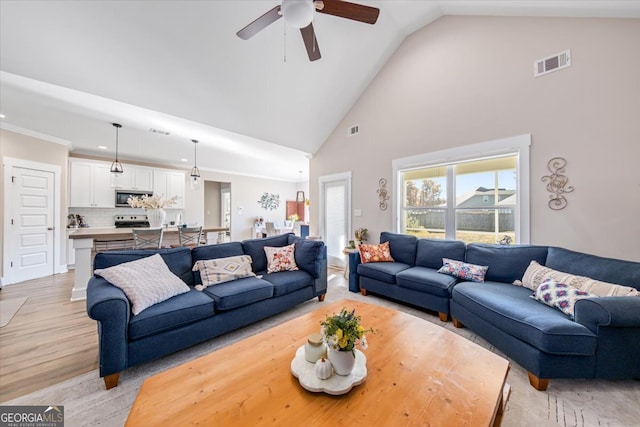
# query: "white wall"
464,80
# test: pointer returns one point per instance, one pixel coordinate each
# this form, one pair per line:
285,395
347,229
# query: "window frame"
515,145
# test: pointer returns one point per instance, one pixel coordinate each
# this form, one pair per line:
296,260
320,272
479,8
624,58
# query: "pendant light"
116,167
195,172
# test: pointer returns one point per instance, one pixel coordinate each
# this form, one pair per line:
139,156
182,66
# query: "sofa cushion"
506,263
463,270
536,274
223,250
558,295
429,252
145,282
173,313
512,310
239,293
255,249
382,271
286,282
426,280
178,260
281,258
375,253
220,270
403,246
307,252
606,269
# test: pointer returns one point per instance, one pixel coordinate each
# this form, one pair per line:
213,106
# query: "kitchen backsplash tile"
97,217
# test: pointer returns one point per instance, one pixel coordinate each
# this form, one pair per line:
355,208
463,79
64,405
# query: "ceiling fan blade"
260,24
344,9
310,42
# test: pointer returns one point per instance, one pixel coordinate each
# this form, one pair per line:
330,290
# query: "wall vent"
353,130
552,63
158,131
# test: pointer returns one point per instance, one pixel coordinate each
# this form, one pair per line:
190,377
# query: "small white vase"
342,361
156,217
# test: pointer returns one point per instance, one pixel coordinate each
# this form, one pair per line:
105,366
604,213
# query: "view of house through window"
472,201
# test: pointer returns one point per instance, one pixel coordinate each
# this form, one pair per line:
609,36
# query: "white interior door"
32,224
335,220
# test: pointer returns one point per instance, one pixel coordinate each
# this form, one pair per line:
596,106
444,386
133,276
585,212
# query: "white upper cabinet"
89,184
136,178
169,183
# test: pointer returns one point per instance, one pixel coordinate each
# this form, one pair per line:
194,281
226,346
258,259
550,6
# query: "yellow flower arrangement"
343,331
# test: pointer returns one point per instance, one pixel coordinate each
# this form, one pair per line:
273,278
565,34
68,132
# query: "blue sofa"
190,318
602,341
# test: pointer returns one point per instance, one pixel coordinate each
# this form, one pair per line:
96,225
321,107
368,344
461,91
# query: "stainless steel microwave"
123,195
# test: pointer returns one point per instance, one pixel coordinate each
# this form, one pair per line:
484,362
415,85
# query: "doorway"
217,205
32,243
335,220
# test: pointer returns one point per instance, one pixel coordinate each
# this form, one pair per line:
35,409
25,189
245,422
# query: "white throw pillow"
221,270
281,258
536,274
145,281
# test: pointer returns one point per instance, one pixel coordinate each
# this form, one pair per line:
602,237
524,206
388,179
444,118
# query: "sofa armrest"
354,260
623,312
320,282
110,307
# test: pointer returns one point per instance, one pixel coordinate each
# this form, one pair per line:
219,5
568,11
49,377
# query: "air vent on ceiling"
552,63
353,130
160,132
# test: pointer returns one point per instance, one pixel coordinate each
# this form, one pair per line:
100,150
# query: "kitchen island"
83,239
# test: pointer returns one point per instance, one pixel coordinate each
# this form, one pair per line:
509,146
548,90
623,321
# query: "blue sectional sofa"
602,341
187,319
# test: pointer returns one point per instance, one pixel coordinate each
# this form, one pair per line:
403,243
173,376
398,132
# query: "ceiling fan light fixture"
298,13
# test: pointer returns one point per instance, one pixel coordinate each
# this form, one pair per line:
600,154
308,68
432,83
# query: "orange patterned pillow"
375,253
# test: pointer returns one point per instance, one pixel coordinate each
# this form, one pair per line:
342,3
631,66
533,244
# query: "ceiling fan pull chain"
285,43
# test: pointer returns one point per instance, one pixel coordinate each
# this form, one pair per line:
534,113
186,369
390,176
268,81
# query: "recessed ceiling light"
2,116
102,147
184,160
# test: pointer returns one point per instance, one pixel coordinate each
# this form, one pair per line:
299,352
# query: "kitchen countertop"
112,232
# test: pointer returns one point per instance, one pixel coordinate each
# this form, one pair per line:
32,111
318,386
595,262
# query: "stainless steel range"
131,221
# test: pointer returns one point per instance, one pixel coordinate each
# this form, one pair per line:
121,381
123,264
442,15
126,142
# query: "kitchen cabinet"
136,178
71,253
169,183
89,185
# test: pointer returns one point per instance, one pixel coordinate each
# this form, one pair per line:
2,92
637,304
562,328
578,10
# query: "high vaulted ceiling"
258,107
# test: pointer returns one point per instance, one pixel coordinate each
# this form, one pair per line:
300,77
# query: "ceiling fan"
300,13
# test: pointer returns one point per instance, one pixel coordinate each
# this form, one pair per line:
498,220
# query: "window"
479,194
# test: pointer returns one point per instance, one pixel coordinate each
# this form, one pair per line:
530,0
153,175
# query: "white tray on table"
335,384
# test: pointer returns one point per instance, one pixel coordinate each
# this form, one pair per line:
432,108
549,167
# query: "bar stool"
189,236
147,238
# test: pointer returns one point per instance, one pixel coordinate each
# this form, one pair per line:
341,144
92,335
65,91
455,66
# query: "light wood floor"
49,340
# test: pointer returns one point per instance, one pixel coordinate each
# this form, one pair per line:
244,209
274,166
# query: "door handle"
49,228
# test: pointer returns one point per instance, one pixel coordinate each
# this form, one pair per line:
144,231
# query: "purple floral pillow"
463,270
559,295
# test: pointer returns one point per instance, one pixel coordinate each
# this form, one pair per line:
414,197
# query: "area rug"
566,403
9,308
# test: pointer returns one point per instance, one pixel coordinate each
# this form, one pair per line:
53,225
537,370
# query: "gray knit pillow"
145,282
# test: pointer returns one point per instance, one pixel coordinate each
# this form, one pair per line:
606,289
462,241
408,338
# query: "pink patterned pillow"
463,270
559,295
281,258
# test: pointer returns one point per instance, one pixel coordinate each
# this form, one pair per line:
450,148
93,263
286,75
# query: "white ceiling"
69,68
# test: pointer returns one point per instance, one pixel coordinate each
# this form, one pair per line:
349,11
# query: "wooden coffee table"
418,374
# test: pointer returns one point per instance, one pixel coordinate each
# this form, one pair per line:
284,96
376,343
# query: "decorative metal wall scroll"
382,194
557,183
